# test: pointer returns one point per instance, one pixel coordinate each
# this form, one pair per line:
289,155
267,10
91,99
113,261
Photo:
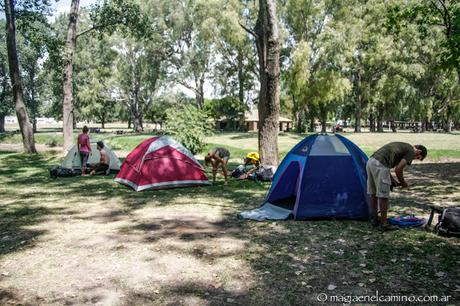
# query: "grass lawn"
440,146
92,241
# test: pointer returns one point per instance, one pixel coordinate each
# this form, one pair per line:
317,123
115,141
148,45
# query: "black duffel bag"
58,171
449,223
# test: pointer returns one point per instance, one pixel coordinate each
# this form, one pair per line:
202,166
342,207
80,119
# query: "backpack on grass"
449,223
265,173
238,171
58,171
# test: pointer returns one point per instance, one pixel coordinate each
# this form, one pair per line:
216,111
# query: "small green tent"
72,159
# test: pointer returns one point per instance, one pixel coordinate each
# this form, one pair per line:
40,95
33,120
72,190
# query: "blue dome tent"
323,176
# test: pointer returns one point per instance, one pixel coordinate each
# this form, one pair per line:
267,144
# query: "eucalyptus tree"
6,100
317,78
70,46
139,71
12,9
33,36
143,59
433,16
266,32
95,78
107,16
193,28
236,67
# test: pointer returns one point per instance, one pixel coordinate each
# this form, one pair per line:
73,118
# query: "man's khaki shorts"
378,179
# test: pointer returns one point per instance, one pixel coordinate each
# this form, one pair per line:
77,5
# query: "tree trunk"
16,82
358,114
199,96
372,122
298,121
129,122
70,48
2,123
141,118
33,107
240,58
312,123
359,102
323,126
448,122
136,113
240,63
137,124
34,125
33,101
74,121
268,49
323,111
393,126
136,116
379,123
448,126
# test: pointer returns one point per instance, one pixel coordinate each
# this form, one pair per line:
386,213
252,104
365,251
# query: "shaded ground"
92,241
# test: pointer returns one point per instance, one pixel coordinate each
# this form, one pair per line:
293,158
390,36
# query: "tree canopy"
367,62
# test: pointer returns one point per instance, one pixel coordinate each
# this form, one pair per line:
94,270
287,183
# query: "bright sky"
63,6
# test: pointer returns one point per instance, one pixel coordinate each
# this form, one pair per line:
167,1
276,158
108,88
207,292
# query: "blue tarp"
266,212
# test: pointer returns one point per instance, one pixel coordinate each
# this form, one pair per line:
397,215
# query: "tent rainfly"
161,162
72,159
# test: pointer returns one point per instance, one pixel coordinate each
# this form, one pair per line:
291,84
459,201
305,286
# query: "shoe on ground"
375,221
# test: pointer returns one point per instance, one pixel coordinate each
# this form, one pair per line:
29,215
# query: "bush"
52,143
188,125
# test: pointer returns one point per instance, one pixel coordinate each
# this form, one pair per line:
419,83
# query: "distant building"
43,120
11,120
251,120
251,123
46,120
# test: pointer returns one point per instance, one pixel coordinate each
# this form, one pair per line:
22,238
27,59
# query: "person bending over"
395,155
103,165
218,157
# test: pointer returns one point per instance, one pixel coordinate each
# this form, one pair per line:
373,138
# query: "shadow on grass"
183,290
290,262
431,183
6,136
248,135
15,222
301,259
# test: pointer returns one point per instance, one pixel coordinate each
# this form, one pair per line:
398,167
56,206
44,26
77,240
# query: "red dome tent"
161,162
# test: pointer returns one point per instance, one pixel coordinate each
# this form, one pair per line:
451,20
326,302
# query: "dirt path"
99,253
91,241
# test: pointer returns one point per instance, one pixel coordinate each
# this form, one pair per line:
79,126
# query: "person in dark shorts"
218,157
103,165
395,155
250,167
84,149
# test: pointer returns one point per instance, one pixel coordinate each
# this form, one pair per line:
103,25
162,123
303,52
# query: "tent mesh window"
328,146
